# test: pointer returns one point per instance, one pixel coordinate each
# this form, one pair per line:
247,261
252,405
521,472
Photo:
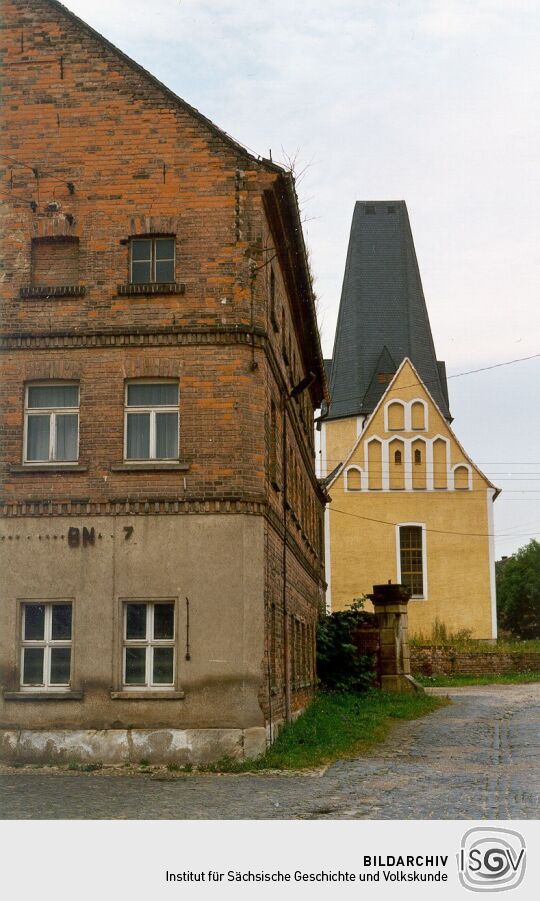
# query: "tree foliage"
340,667
518,592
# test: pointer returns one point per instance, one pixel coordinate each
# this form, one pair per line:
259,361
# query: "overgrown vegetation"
340,667
441,637
518,592
487,679
334,726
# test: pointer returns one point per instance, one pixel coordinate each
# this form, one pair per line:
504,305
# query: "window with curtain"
51,423
151,421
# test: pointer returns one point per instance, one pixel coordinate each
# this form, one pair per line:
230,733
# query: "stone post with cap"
390,602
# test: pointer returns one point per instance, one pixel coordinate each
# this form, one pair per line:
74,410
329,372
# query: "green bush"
340,667
518,592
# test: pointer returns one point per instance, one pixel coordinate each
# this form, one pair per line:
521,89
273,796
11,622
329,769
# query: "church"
408,503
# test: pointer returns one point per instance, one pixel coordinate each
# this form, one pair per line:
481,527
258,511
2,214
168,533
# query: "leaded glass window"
411,559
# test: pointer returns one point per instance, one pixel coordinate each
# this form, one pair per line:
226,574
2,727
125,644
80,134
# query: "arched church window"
461,478
418,416
397,458
396,417
354,480
418,457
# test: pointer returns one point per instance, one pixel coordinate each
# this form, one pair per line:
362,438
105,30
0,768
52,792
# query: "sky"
435,102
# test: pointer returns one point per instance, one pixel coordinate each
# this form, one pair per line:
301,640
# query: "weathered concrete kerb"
474,759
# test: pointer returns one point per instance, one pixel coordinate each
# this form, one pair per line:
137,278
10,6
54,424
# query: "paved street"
477,758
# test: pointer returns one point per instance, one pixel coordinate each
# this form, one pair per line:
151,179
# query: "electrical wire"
387,522
455,375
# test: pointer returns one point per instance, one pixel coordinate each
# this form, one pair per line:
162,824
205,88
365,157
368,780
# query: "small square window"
151,421
51,423
152,260
148,640
46,646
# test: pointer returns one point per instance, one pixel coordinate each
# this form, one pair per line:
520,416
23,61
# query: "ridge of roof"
382,305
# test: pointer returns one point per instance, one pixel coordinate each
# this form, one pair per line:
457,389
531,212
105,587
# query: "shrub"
340,666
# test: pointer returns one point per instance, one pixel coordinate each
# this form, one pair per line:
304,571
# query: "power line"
455,375
387,522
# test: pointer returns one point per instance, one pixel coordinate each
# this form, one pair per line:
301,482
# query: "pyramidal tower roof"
383,316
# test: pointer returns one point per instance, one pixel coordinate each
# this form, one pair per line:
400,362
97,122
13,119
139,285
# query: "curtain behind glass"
53,396
166,435
66,436
37,437
138,436
160,394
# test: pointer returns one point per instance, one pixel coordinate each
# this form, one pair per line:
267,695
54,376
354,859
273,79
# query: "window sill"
149,465
43,695
47,467
152,288
52,291
149,694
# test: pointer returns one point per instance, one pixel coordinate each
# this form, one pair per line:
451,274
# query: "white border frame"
51,413
469,480
47,643
354,468
149,644
151,410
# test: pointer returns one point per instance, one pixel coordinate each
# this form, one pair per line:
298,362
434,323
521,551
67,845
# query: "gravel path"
475,759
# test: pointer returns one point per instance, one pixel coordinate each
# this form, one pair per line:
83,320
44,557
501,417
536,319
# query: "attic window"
384,378
369,209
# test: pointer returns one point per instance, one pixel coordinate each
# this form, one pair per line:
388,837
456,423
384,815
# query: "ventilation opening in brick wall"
55,261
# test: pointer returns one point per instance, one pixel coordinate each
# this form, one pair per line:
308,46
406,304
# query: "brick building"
161,533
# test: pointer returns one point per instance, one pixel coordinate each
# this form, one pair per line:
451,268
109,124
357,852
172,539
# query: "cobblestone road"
477,758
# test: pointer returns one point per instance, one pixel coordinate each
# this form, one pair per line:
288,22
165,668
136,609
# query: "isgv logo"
491,860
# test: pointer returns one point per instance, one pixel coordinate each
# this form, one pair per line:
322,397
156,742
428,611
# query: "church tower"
408,504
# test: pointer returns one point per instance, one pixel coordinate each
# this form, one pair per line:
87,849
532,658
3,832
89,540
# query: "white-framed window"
46,645
148,659
151,260
411,558
151,420
51,422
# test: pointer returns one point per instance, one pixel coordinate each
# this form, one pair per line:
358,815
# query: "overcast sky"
431,101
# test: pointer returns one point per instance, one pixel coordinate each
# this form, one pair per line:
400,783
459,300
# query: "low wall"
432,661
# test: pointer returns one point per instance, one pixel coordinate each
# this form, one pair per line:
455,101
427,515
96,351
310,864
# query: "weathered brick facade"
98,153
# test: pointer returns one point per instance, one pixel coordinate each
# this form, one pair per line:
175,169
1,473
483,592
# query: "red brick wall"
100,153
446,661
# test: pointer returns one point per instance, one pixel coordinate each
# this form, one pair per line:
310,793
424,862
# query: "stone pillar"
390,603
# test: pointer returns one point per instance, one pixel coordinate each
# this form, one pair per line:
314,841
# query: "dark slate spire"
382,314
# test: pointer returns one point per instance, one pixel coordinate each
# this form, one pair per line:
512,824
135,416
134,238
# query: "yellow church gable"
407,445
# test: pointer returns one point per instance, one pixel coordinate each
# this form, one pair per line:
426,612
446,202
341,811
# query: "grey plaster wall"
215,560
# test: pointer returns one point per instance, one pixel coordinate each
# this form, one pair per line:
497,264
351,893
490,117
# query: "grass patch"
335,726
487,679
462,642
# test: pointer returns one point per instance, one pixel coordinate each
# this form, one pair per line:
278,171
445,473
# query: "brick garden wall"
430,661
